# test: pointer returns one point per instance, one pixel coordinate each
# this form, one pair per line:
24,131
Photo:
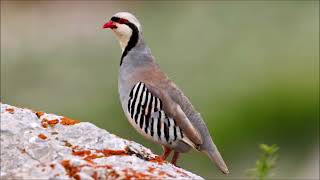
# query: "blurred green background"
250,67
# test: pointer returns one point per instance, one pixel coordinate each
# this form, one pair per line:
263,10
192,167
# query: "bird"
152,103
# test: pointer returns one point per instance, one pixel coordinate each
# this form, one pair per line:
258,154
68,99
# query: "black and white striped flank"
147,112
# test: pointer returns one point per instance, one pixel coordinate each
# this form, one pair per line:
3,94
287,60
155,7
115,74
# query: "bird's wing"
174,111
178,106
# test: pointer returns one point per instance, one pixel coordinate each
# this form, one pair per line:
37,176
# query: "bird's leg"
166,152
175,158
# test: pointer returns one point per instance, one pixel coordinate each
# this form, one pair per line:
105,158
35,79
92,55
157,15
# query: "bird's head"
125,26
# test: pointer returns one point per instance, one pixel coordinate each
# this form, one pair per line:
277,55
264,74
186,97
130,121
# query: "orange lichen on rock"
103,166
44,123
89,158
77,177
113,174
53,122
157,159
42,136
151,169
71,170
132,174
39,113
81,153
10,110
109,152
67,121
95,176
162,173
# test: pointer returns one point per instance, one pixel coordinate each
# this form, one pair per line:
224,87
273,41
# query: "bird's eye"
123,21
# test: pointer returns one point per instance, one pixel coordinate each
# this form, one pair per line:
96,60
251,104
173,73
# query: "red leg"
175,158
166,152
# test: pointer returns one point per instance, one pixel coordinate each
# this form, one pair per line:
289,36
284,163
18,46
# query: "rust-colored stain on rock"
10,110
53,122
71,170
151,169
89,155
42,136
81,153
113,174
110,152
95,175
90,158
132,174
67,121
85,158
157,159
39,113
44,123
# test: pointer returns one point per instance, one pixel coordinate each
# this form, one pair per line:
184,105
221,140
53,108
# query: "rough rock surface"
36,145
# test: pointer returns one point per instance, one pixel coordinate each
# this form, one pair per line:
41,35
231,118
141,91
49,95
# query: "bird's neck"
139,55
123,41
129,43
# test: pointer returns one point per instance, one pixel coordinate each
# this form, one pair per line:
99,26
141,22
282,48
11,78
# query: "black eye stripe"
119,20
115,19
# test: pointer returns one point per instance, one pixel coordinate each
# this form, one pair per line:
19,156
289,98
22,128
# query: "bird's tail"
217,159
214,155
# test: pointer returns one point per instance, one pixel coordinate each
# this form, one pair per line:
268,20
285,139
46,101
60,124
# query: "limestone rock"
36,145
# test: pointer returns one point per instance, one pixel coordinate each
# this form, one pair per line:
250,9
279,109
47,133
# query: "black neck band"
134,38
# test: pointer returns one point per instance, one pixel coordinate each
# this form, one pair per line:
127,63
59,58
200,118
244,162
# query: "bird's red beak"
110,25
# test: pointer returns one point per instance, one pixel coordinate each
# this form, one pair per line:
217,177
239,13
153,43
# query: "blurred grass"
250,68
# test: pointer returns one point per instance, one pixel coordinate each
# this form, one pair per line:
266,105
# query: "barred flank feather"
146,111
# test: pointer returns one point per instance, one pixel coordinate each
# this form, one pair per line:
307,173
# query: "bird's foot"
166,153
175,158
157,159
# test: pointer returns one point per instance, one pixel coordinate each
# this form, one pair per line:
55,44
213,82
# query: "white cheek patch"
123,33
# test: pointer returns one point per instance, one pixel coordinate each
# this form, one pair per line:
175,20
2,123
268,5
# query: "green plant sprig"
266,162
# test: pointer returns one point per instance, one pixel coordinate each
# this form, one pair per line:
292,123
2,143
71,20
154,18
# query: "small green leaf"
265,163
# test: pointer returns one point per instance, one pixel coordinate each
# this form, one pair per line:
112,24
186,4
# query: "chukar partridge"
153,104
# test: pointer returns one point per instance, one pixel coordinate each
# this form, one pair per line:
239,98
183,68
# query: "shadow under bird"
153,104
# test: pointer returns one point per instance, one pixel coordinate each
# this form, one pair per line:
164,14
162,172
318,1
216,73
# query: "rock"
36,145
